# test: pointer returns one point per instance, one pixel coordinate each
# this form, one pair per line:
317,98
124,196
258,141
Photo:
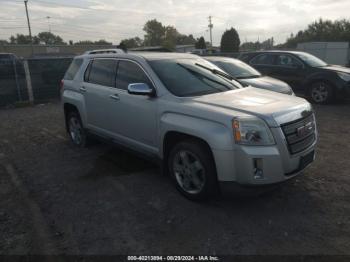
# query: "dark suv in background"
307,74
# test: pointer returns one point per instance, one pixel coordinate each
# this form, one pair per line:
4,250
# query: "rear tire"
76,131
321,93
192,168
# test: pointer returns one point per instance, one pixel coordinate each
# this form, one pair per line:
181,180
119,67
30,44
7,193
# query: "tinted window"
265,59
130,73
103,72
287,61
311,60
73,69
183,77
237,68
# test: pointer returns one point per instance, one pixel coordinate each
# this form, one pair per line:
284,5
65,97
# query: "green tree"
170,37
102,42
155,32
250,46
122,46
49,38
321,30
20,39
4,42
132,42
200,44
230,41
185,40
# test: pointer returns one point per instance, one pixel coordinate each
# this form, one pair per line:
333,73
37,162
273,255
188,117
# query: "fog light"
258,168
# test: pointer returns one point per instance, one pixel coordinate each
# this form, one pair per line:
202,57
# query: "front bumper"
276,163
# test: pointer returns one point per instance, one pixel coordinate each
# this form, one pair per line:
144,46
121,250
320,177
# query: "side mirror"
140,89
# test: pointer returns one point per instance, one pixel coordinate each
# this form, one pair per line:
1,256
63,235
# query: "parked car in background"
307,74
206,129
248,75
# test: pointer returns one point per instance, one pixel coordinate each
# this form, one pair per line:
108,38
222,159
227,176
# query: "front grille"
300,134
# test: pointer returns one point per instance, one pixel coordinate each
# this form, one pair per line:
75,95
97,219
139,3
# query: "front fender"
217,135
321,76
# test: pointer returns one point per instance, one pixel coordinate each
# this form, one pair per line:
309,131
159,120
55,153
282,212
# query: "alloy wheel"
75,130
189,172
319,93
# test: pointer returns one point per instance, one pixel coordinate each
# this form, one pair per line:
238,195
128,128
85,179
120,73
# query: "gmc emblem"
305,129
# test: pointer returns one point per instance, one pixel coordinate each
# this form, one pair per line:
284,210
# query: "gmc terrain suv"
206,128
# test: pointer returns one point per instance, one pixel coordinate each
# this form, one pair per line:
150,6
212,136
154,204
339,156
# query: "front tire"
193,171
321,93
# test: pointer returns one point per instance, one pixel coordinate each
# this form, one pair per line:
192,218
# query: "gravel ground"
57,199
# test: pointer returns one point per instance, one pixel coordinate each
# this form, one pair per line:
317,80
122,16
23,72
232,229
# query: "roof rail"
105,51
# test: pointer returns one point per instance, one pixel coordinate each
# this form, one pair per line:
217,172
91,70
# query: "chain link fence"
44,75
12,81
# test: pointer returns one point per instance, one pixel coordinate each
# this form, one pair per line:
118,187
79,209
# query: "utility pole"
48,21
211,33
30,30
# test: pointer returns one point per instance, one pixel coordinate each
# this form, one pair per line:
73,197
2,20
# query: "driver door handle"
115,97
82,89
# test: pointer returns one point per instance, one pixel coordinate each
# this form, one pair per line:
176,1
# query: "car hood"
337,68
269,83
276,109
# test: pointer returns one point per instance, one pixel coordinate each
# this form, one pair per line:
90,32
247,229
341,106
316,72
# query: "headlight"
344,76
252,131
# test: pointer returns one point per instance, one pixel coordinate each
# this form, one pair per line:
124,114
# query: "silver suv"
207,129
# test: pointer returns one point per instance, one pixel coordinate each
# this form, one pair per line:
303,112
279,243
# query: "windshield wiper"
195,72
248,77
220,73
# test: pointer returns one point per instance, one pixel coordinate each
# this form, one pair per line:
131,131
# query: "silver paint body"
142,122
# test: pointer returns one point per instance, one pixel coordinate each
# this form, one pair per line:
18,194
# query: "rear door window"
263,59
130,73
102,72
73,69
287,61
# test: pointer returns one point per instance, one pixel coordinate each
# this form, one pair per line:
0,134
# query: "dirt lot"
56,199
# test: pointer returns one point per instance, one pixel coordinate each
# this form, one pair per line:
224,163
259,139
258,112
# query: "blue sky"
115,20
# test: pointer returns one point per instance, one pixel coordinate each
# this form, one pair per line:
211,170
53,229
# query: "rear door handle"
82,89
115,97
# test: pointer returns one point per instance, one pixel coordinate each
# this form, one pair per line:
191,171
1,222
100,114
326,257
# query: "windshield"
237,68
311,60
183,77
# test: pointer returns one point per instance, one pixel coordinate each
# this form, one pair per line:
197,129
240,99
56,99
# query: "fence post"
14,62
29,81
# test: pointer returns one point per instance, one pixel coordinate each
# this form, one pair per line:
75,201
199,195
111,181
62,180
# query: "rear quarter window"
73,69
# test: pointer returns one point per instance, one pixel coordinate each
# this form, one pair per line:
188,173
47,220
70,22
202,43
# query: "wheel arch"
68,108
171,138
214,134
